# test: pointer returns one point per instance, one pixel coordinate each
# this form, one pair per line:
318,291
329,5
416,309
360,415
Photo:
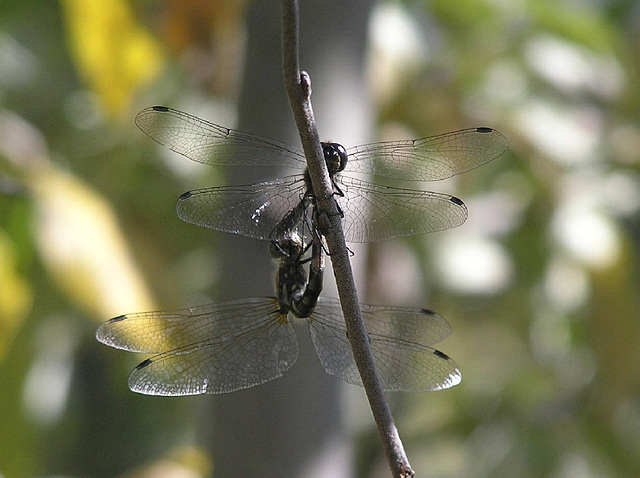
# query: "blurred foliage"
541,285
15,295
115,54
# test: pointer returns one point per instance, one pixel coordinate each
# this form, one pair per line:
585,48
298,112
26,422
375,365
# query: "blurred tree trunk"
290,427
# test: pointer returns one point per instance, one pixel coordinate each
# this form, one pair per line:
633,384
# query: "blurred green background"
541,285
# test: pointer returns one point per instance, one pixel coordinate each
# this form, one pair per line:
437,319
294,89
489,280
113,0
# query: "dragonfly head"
336,157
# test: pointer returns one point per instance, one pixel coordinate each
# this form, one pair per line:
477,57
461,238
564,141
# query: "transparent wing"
371,212
399,339
428,159
254,210
210,349
425,159
209,143
377,213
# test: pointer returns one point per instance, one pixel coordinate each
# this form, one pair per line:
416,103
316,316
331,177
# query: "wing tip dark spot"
428,312
456,200
437,353
484,129
162,109
120,318
144,364
185,196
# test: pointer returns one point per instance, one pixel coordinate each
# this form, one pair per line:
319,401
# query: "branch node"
305,82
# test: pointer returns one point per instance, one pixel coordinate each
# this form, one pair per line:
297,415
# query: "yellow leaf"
81,244
113,52
15,296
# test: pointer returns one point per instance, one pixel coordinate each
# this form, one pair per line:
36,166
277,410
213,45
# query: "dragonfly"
295,292
371,212
220,348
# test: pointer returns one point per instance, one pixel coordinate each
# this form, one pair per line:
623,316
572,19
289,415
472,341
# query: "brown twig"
298,86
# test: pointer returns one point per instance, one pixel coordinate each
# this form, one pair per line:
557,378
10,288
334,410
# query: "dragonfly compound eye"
336,157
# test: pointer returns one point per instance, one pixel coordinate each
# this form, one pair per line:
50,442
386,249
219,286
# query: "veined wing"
375,213
254,210
209,143
400,340
425,159
215,348
428,159
371,212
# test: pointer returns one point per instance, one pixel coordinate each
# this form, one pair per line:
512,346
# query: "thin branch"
298,86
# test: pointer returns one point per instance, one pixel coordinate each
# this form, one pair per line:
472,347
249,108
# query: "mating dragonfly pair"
225,347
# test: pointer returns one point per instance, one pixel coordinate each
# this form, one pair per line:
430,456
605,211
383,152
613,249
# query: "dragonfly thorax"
288,247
